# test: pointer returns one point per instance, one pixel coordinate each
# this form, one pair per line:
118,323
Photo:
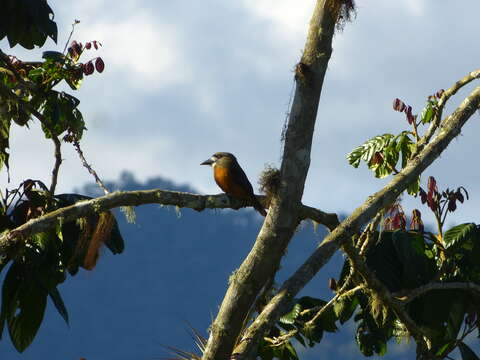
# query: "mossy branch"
116,199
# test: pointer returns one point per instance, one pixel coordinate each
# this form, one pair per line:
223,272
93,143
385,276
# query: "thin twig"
280,340
447,94
367,234
408,296
58,162
333,301
99,182
70,36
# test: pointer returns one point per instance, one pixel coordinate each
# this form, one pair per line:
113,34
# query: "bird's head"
219,158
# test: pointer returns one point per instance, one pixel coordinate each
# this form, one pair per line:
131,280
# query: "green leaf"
417,268
313,334
456,314
54,56
414,187
59,304
4,140
27,22
291,352
23,326
345,308
466,352
10,289
441,351
427,112
405,146
291,316
460,234
366,151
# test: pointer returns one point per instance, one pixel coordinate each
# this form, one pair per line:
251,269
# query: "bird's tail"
259,207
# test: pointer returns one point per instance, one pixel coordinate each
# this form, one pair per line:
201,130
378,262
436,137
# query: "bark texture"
16,238
282,219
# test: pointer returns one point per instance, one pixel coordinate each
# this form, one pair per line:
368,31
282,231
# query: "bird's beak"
207,162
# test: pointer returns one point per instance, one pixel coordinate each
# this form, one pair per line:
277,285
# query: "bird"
230,177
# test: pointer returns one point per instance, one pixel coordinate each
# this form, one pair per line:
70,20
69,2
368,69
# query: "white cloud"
288,17
137,47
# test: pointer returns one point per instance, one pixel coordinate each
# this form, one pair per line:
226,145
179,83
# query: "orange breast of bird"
228,183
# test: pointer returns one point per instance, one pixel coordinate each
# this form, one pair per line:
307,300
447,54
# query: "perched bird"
230,177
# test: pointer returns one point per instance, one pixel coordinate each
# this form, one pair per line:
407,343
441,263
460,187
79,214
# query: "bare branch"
99,182
16,237
441,104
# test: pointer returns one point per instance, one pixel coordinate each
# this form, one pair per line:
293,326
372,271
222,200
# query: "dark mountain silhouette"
173,274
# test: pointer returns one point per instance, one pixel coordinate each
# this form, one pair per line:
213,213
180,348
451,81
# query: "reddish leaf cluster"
437,201
400,106
76,49
96,44
396,219
89,68
416,223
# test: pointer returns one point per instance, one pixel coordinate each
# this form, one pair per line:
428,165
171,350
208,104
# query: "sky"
185,79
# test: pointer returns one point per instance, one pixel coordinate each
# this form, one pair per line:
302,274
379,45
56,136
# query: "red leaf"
416,224
88,45
332,284
398,105
99,64
423,196
88,68
408,112
432,184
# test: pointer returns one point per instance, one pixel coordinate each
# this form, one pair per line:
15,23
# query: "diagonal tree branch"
450,128
441,104
17,236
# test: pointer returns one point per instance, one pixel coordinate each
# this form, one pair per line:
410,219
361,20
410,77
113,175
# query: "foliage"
27,91
27,22
383,152
42,264
403,260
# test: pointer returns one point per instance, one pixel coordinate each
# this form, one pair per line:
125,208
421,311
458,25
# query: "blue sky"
185,79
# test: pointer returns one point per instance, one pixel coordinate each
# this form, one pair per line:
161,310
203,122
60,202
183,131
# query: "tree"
252,320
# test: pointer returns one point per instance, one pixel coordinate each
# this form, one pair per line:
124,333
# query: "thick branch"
15,237
263,260
278,305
